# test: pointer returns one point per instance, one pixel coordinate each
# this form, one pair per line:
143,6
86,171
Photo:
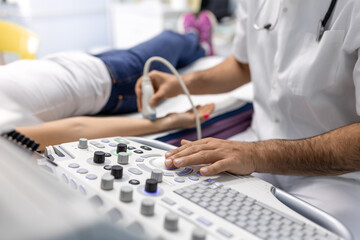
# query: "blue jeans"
126,66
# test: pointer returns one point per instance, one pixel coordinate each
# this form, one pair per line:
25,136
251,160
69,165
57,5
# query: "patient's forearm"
71,129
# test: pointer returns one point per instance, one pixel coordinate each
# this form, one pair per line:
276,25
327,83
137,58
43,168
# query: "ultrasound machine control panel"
126,179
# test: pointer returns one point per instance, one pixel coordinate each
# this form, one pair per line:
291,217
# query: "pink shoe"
187,23
206,24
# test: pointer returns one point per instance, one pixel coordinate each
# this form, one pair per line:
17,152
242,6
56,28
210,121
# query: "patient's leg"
126,66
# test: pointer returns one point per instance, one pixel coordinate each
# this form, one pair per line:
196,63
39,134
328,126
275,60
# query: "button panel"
177,197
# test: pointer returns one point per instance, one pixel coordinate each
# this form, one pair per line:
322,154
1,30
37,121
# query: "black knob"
121,147
151,185
99,157
26,141
15,135
30,143
117,171
10,134
20,138
34,146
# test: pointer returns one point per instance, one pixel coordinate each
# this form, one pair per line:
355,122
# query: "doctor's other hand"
221,155
165,86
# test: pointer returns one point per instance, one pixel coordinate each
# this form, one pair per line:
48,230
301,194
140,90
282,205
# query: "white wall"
65,24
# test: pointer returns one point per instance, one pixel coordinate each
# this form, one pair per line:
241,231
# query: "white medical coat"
302,87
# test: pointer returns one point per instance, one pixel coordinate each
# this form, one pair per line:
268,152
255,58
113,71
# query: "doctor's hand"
165,86
221,155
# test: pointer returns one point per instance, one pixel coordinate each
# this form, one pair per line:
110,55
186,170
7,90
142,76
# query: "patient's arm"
71,129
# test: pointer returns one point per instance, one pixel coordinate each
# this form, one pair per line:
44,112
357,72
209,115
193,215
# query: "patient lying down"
64,89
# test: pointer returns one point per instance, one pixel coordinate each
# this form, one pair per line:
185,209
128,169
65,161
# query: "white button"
73,183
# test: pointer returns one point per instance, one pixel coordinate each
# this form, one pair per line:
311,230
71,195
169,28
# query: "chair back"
16,39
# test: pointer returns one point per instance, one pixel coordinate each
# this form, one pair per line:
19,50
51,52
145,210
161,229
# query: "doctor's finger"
185,144
190,150
157,97
203,157
184,141
138,92
216,168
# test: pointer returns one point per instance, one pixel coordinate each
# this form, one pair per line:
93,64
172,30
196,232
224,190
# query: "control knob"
83,143
123,158
151,185
99,157
121,147
147,207
107,182
126,194
198,234
171,222
117,171
157,174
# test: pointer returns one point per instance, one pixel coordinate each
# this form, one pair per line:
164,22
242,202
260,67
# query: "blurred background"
96,25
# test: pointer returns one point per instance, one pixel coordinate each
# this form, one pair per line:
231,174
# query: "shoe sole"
180,24
212,18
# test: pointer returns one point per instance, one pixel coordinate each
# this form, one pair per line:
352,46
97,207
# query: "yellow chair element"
16,39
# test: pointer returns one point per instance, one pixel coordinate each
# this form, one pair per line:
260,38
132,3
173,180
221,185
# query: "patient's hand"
187,119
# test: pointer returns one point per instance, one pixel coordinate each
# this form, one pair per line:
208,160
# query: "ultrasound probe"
148,90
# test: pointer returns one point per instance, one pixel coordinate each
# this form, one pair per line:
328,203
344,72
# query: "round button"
82,171
134,182
194,178
120,140
126,194
138,151
91,176
171,222
117,171
107,167
151,185
82,189
147,207
179,180
146,148
107,155
123,158
73,165
99,157
131,147
73,183
121,147
65,178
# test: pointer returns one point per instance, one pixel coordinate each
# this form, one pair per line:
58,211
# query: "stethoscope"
271,26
